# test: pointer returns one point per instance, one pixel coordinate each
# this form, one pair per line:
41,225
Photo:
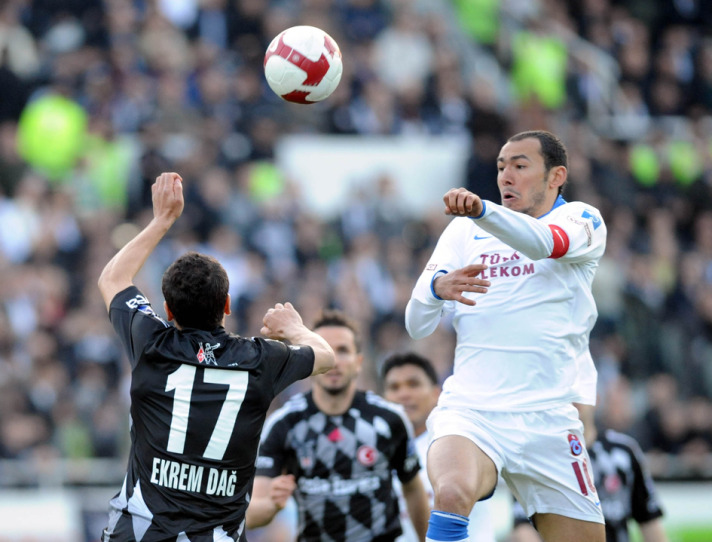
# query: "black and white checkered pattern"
343,465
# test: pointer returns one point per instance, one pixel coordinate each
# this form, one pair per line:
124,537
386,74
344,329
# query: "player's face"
348,360
523,180
408,385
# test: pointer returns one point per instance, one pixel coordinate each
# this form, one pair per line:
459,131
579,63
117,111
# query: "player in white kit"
507,408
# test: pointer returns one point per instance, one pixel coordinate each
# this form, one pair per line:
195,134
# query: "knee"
455,494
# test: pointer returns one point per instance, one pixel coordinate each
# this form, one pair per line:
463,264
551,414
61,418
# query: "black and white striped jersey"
623,482
343,466
198,404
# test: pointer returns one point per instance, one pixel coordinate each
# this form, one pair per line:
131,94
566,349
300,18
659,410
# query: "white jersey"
524,345
481,528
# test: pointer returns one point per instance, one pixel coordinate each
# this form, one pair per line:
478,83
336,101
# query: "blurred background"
338,204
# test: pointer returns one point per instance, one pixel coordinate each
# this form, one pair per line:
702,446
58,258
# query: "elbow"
416,331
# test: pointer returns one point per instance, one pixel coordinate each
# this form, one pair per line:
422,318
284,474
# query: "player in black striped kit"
336,449
199,395
624,486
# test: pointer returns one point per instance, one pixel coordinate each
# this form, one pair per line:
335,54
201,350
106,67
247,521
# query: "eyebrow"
515,157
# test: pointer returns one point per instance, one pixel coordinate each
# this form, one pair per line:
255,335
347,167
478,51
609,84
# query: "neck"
333,405
419,429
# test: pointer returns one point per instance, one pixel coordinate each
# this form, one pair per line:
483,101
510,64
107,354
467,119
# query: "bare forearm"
119,273
260,512
323,354
418,508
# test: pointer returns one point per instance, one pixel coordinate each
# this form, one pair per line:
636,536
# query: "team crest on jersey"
575,444
206,354
367,455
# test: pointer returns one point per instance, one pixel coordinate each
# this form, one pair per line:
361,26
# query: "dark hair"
336,318
195,288
552,149
409,358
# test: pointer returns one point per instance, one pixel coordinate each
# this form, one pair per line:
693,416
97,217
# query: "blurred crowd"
178,85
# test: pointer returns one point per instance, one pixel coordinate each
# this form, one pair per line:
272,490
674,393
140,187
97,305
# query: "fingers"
474,269
462,202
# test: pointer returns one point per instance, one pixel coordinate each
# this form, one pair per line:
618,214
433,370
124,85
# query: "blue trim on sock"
447,527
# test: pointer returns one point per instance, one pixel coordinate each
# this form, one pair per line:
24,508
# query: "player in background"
410,380
335,449
624,486
507,409
199,395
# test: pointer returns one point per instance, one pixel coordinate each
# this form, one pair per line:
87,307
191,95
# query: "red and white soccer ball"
303,65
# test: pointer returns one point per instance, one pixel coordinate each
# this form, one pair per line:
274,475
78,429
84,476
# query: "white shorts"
539,455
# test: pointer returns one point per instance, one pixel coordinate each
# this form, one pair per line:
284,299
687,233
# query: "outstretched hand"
167,195
462,202
452,286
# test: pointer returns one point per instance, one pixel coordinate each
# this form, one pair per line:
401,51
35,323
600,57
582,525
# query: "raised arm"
119,273
283,322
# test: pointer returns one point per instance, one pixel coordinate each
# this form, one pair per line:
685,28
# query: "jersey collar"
558,203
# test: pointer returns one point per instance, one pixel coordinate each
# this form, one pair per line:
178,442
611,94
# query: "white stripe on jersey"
296,403
377,400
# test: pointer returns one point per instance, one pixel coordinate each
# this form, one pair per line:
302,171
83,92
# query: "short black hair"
195,288
337,318
553,149
409,358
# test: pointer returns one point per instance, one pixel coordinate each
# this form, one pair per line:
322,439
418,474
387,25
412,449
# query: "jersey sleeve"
424,309
285,363
645,506
579,233
405,460
575,233
134,321
272,453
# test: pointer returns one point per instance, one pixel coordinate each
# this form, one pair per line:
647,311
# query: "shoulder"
620,440
392,412
295,407
577,212
461,225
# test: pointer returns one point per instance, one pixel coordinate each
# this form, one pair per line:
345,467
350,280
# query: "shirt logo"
594,219
206,355
136,302
480,237
367,455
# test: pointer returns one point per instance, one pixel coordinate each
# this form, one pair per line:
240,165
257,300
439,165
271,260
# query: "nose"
505,176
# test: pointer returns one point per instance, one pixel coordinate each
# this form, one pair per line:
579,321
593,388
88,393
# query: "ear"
557,177
226,308
169,314
359,362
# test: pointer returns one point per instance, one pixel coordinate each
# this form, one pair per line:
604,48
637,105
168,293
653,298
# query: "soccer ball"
303,65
